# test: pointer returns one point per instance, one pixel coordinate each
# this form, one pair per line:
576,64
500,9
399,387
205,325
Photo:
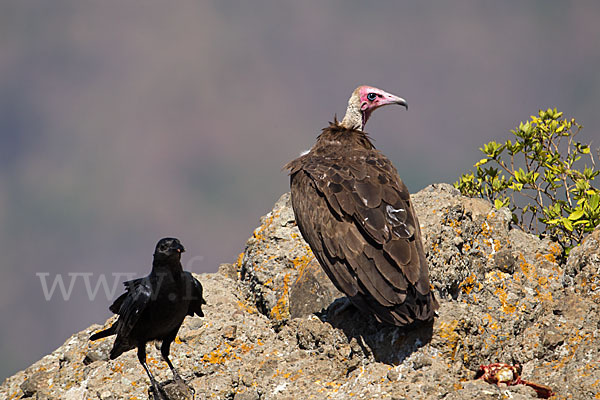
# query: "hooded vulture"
355,213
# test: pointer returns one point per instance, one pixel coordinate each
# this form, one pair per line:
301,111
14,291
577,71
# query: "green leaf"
593,202
567,224
481,162
575,215
517,187
520,176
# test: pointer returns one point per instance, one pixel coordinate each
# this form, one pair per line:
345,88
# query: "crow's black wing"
195,292
131,304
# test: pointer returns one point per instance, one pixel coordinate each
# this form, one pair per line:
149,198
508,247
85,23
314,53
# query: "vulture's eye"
371,96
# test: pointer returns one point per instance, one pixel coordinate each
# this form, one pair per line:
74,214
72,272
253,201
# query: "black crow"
153,307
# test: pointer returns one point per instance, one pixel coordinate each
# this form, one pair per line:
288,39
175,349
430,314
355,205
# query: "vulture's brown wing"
356,215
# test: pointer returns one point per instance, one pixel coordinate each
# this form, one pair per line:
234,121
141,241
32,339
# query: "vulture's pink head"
365,100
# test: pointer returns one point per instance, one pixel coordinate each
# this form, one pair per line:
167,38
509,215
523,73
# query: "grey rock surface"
276,328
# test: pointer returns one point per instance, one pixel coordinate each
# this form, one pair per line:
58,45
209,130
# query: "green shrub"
539,178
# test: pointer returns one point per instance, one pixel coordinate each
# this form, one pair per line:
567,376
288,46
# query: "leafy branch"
537,178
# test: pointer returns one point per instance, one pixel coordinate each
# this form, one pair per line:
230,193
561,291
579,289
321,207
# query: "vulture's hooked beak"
384,100
400,101
392,99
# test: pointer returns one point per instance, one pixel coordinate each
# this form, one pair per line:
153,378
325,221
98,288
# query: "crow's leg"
155,386
165,349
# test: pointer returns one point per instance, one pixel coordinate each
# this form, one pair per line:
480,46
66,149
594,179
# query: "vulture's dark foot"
339,307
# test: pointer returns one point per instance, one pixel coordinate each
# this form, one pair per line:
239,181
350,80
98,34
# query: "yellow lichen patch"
488,318
496,276
486,230
470,283
330,386
526,268
178,340
448,332
588,370
294,375
497,245
302,261
223,353
507,308
572,344
455,225
158,364
245,348
555,252
281,310
239,261
118,367
543,292
245,307
466,247
259,232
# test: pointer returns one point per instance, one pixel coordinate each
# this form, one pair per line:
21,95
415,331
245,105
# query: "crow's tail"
104,333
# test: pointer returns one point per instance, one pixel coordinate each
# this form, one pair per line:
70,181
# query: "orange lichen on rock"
223,353
239,261
246,307
447,331
281,310
117,367
502,295
469,284
302,261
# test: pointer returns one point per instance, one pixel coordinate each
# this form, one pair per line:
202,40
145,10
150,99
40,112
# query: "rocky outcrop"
276,328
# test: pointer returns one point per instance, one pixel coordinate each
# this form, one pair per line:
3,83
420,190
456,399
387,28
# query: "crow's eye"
371,96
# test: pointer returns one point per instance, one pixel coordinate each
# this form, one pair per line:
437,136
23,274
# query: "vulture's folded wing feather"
356,214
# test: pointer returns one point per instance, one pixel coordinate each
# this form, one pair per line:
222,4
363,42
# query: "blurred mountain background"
124,122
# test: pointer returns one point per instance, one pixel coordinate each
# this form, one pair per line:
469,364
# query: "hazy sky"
124,122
